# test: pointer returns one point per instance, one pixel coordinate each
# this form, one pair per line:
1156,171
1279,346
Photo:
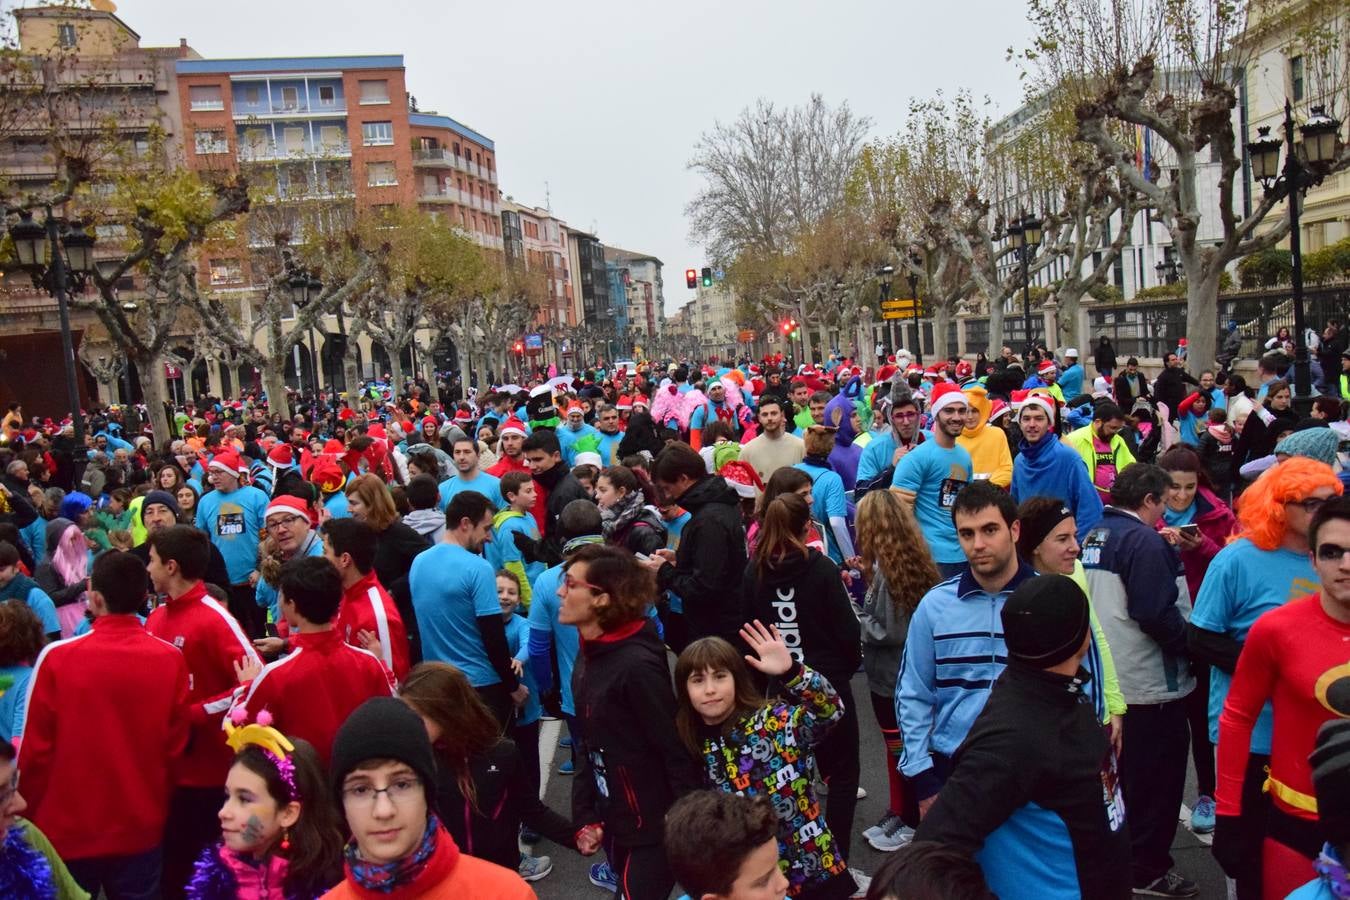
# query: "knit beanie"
1045,621
383,728
1315,443
163,498
1035,528
1330,763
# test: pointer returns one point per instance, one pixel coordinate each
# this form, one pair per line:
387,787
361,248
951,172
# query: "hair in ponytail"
783,531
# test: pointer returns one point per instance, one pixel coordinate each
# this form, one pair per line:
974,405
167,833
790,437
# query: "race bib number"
1112,799
947,492
1092,547
230,524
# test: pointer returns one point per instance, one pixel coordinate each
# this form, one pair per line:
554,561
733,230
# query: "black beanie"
1330,763
1045,620
383,728
163,498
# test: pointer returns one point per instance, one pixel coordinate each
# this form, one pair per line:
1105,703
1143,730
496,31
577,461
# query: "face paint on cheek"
253,830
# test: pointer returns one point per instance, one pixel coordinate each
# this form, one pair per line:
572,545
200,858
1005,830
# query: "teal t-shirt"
544,604
487,485
827,501
233,521
451,589
518,641
1242,582
935,476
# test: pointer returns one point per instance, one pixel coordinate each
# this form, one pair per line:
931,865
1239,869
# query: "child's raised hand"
771,655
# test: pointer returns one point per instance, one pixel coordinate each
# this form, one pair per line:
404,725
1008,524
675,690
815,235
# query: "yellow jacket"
1081,440
987,446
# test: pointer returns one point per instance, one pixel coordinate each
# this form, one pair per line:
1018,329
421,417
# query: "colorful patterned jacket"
769,753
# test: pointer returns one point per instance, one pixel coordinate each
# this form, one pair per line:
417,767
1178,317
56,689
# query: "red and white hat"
1046,367
229,461
1023,399
913,368
945,395
513,425
997,408
575,407
291,506
625,402
281,457
640,401
964,369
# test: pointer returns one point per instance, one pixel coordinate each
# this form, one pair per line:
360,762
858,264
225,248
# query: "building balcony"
443,195
269,152
435,157
270,111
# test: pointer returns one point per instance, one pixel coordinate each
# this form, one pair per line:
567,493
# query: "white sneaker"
894,836
879,827
533,868
823,790
862,881
862,792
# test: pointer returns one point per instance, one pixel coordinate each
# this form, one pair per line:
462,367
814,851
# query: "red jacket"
367,606
107,717
211,641
311,691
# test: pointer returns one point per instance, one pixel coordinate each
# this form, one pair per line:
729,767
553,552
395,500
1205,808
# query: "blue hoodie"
1050,469
844,457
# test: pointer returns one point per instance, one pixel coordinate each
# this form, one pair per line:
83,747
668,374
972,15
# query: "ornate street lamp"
1025,234
1305,165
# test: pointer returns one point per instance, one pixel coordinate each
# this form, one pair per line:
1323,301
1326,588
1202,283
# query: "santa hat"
333,445
575,407
997,408
327,475
964,369
512,426
228,461
431,421
945,395
1023,399
378,432
913,369
641,401
754,370
346,414
625,402
1046,367
292,506
588,458
281,457
933,371
742,478
463,415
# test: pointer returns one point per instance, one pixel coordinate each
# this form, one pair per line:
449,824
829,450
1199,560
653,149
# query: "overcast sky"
603,100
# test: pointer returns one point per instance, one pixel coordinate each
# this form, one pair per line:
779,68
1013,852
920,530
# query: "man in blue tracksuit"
955,650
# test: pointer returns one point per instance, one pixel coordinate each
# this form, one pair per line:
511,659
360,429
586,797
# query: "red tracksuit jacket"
312,690
107,718
211,641
367,606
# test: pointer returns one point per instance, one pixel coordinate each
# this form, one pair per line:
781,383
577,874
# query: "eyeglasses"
569,582
904,416
399,792
7,793
1331,553
1310,505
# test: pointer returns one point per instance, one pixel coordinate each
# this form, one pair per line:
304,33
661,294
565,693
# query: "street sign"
746,336
900,304
901,314
534,342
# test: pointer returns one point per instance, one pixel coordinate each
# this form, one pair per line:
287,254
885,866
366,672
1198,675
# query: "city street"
569,877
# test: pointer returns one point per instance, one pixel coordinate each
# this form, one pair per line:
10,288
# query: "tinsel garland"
24,872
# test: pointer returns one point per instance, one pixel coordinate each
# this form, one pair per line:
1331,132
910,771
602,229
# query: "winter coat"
710,561
884,627
1217,524
631,765
1104,357
221,874
805,597
768,753
1170,387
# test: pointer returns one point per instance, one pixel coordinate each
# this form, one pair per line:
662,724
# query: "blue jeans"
133,877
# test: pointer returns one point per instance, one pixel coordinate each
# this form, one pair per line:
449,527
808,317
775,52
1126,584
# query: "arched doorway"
379,361
333,352
445,356
299,372
250,379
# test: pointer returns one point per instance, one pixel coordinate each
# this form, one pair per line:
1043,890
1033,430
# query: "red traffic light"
691,278
520,348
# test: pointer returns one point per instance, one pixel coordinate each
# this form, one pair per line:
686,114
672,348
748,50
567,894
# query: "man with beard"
929,479
1044,467
773,448
885,450
557,488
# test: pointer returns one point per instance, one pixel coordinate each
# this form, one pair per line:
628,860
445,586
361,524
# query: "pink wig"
71,557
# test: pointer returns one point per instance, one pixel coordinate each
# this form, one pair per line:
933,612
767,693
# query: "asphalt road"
569,877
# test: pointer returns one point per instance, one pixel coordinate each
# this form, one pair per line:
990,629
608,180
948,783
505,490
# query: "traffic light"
520,347
707,276
787,327
691,278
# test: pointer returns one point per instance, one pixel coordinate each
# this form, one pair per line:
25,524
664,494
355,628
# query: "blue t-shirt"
13,700
487,485
502,548
1242,582
451,588
609,447
935,476
544,605
518,641
233,521
45,610
827,500
567,440
336,505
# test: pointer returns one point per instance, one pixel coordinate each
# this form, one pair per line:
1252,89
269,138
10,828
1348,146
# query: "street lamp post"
71,253
1025,233
305,288
1167,271
1305,165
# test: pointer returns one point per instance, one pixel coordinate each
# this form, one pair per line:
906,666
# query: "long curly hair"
1261,510
890,542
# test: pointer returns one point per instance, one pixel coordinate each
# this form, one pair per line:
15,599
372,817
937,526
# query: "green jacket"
1081,441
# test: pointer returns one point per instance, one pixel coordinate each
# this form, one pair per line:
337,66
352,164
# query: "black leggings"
837,757
643,872
527,742
1197,714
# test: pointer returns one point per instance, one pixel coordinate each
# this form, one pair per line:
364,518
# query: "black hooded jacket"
710,562
805,597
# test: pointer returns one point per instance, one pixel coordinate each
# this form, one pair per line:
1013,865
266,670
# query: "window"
374,91
380,174
457,149
205,96
377,134
1296,78
226,271
65,35
211,141
290,98
327,94
251,95
333,137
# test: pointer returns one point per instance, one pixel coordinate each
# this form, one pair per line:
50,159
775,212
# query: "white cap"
1071,352
588,458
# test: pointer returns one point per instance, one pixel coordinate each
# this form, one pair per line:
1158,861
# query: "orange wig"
1261,507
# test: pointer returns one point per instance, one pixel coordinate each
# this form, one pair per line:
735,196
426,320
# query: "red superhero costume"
1298,658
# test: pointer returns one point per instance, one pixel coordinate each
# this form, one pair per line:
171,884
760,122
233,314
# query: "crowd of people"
310,656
